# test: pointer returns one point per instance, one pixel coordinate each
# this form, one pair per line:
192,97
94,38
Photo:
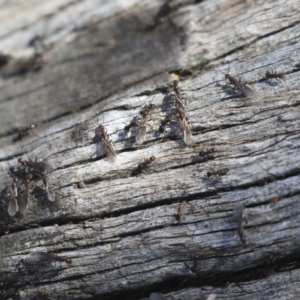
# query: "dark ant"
142,166
108,144
40,167
146,163
216,173
274,75
245,90
164,122
207,152
146,110
132,124
24,132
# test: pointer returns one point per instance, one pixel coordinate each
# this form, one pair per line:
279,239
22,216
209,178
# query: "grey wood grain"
120,228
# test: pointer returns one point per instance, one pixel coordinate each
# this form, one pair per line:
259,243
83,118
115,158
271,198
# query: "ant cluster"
247,91
181,113
141,121
22,184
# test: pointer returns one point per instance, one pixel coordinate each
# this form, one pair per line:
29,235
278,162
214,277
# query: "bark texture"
126,228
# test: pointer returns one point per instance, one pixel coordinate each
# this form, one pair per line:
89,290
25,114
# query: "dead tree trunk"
69,67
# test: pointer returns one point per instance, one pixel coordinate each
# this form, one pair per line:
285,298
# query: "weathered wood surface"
121,231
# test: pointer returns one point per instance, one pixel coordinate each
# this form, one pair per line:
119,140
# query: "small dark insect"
239,216
49,192
42,167
108,144
181,212
146,110
143,165
13,207
274,75
245,90
216,173
24,132
132,124
27,266
185,128
147,162
24,199
45,257
207,152
164,122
